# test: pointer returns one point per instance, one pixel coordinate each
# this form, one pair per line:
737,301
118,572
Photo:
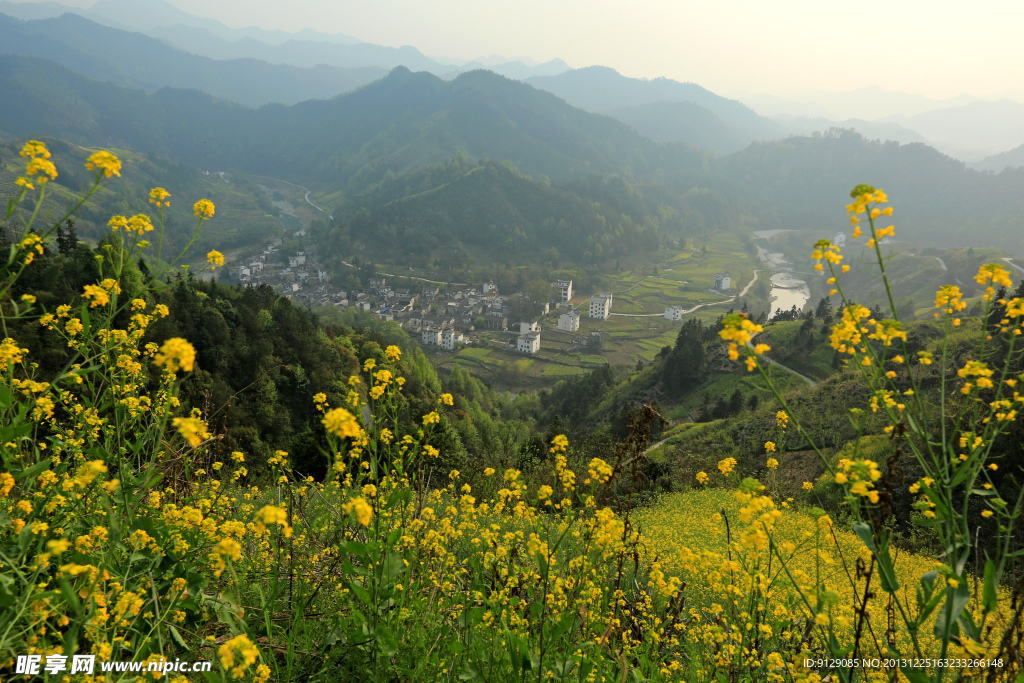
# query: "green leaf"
863,530
177,636
355,548
394,565
564,667
33,471
890,582
469,672
915,675
69,594
6,590
989,596
361,593
956,599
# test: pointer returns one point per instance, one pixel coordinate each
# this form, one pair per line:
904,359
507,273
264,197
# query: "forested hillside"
399,123
405,121
940,200
495,212
246,215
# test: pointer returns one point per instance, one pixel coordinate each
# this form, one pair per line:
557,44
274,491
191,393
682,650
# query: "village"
446,317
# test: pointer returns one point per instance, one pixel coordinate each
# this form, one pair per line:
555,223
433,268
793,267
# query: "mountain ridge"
136,60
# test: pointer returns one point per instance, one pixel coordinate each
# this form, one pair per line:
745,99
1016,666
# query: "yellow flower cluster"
860,475
193,429
342,424
203,209
160,197
976,373
176,354
215,259
739,330
104,163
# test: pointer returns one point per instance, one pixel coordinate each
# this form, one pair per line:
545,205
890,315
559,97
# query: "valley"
328,358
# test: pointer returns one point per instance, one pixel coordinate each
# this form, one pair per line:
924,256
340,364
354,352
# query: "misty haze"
493,341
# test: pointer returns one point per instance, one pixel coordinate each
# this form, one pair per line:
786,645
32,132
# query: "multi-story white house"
840,239
723,282
451,339
569,322
431,336
601,306
674,313
566,288
529,327
528,343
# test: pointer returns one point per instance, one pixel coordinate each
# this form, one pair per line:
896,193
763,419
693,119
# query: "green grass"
787,350
560,371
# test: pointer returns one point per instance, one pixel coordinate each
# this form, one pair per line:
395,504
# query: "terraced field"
636,330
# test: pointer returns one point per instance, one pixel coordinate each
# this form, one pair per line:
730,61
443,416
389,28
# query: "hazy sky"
937,48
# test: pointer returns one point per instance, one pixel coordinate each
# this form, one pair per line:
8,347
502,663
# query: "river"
788,289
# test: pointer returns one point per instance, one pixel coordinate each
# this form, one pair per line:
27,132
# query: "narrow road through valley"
749,285
278,180
1010,261
413,277
710,303
788,369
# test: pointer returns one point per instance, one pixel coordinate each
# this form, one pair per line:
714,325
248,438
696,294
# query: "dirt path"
788,369
710,303
749,285
1010,261
413,277
278,180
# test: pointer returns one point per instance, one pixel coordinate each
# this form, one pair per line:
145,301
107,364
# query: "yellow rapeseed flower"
97,296
176,354
33,149
363,510
192,428
203,209
342,423
237,654
159,196
104,163
215,258
139,224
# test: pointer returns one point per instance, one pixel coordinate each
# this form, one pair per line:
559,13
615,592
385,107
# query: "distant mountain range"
971,131
401,122
151,44
308,48
646,106
139,61
963,127
999,162
873,130
355,142
870,104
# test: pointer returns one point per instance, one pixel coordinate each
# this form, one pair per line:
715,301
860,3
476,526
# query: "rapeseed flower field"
122,537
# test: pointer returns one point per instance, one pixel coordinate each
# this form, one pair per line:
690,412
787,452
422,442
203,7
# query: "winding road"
710,303
945,269
413,277
278,180
1010,261
777,364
